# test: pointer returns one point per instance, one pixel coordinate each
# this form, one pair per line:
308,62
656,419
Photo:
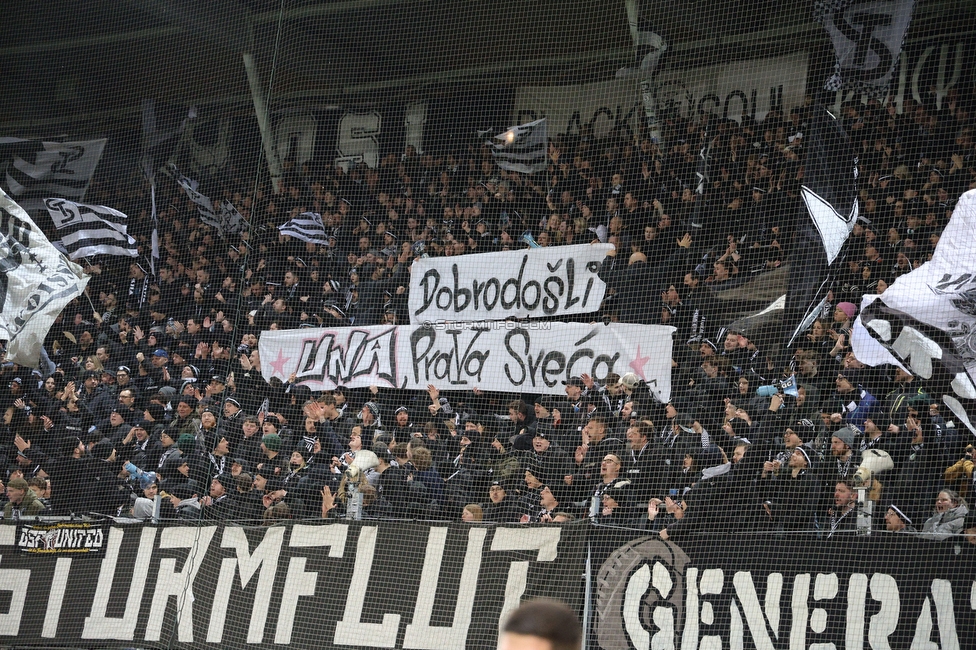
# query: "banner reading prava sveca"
531,283
531,357
446,587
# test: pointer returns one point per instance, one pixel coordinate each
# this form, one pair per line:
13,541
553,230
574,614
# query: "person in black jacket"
500,507
585,471
708,498
640,466
842,516
630,285
792,496
71,474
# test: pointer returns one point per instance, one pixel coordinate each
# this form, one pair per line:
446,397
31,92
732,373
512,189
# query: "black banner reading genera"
414,585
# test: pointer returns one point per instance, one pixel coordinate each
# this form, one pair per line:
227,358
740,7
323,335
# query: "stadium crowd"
159,389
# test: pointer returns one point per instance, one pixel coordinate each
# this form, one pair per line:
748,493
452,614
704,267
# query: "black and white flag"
925,322
33,170
229,220
36,283
830,208
204,205
161,126
867,37
522,148
91,229
307,227
224,216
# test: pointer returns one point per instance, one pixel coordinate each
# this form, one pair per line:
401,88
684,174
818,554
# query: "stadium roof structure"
95,61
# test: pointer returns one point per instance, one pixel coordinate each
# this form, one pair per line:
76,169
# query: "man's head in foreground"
541,625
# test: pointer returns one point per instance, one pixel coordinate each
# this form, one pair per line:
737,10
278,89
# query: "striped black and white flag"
33,170
90,229
307,227
522,148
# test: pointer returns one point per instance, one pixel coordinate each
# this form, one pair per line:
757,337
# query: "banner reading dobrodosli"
531,283
533,357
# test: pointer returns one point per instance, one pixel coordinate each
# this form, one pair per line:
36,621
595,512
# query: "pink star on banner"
278,365
637,365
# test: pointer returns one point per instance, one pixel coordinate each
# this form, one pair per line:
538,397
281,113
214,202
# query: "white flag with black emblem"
36,283
522,148
925,322
867,38
91,229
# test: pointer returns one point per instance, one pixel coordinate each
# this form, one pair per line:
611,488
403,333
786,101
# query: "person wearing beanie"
220,503
274,462
298,465
500,507
21,501
843,450
851,403
186,420
791,497
896,521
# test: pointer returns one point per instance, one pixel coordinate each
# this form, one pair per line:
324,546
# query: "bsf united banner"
506,356
511,284
36,283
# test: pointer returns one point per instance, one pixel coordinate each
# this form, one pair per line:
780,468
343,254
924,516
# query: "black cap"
574,381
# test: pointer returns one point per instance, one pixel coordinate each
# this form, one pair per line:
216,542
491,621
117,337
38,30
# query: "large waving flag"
36,283
867,36
91,229
522,148
925,322
649,47
830,208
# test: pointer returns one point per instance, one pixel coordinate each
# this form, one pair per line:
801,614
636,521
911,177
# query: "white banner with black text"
507,356
531,283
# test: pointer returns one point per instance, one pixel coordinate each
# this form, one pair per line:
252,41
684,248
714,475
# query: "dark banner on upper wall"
932,71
